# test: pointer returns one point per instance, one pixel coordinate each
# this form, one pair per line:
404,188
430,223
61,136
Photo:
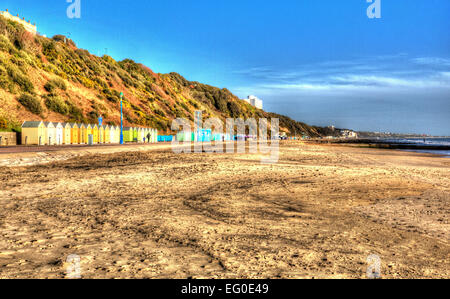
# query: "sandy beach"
150,213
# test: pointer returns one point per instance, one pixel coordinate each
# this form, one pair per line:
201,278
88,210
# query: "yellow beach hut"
74,139
135,134
117,135
67,133
88,132
82,139
33,133
95,133
128,134
106,134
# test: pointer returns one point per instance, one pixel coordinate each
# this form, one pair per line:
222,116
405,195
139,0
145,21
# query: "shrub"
159,112
60,84
5,83
59,38
49,86
93,116
21,80
185,107
76,115
53,84
5,45
31,103
56,104
235,110
111,95
49,50
3,123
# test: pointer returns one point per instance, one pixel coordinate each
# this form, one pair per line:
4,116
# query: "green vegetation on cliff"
52,78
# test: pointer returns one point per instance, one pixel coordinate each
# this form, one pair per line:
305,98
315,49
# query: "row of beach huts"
56,133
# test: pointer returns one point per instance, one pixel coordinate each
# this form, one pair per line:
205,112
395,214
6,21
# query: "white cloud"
432,61
384,73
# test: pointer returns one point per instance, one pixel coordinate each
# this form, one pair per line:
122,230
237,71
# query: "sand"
150,213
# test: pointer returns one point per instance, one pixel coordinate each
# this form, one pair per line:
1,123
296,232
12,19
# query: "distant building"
28,26
349,134
255,102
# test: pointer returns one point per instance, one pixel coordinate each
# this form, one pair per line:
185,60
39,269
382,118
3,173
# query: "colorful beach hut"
106,134
146,132
101,134
128,134
155,135
74,139
88,132
67,133
112,134
152,137
135,134
117,135
59,133
140,135
33,133
50,133
185,136
82,136
95,133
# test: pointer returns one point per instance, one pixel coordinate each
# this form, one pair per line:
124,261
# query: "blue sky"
319,61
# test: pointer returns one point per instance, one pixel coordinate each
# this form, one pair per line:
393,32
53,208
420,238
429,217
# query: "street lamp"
121,119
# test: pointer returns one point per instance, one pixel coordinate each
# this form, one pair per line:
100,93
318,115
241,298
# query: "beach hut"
144,135
95,133
88,132
67,133
59,133
82,134
50,133
117,134
152,133
128,133
106,134
146,132
75,132
147,135
112,134
184,136
33,133
135,134
101,134
140,135
155,135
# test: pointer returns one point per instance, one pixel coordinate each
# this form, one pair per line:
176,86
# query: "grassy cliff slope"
51,79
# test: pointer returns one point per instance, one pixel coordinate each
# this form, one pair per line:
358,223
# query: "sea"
423,143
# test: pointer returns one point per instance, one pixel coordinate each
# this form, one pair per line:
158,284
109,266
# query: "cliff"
51,79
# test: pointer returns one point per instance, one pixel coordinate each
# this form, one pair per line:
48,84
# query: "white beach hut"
112,134
59,131
50,133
